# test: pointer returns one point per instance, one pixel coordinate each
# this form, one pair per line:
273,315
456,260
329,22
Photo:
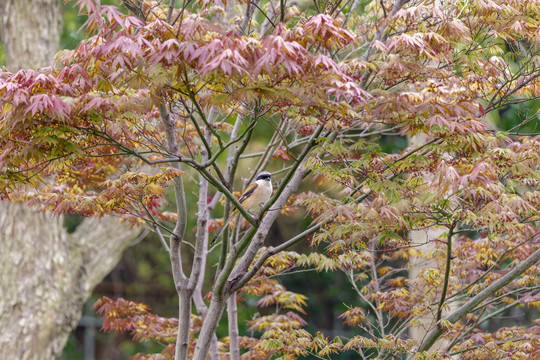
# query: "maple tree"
170,94
43,285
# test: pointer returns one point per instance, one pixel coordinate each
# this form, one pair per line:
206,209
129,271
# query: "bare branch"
180,228
272,251
447,270
466,308
169,13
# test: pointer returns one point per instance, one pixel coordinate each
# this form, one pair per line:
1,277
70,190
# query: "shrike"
253,199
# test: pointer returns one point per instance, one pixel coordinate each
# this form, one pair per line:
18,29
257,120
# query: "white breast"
266,188
260,197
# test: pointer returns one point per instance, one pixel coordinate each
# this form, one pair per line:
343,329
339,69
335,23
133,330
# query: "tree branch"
272,251
232,317
466,308
181,222
169,13
447,270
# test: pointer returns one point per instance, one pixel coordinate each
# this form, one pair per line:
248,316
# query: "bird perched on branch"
253,199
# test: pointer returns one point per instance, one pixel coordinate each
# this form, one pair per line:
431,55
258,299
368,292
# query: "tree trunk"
30,31
46,276
422,239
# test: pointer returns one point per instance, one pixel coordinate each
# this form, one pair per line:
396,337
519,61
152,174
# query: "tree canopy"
171,94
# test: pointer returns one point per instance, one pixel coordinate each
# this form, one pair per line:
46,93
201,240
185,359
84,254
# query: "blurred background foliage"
2,55
144,275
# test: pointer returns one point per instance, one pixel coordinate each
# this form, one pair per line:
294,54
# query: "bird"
253,199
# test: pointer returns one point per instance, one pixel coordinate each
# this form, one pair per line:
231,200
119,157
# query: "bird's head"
263,175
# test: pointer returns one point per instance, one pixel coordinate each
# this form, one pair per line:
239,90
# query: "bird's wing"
251,188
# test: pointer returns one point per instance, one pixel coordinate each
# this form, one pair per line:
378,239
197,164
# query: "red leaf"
281,153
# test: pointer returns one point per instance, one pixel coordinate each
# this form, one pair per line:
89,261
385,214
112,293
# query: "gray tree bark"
46,276
30,32
422,239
